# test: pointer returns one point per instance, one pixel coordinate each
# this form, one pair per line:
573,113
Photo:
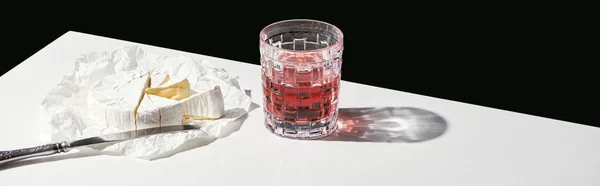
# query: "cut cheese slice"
208,105
141,97
156,111
112,101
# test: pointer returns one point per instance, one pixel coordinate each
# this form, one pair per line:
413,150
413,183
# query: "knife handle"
42,150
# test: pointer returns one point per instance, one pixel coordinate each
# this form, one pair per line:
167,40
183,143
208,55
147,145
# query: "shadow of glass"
388,124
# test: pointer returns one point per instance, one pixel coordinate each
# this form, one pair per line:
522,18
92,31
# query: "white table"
482,146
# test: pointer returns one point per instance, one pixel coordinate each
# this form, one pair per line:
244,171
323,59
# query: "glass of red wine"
301,63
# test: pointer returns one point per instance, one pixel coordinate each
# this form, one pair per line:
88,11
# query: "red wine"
301,104
301,94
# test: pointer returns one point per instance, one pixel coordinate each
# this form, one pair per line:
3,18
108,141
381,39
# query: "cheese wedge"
156,111
113,101
208,105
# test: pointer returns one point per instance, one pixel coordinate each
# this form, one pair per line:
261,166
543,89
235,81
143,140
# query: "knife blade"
65,146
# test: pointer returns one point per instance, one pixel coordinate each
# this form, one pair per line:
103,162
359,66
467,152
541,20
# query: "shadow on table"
388,124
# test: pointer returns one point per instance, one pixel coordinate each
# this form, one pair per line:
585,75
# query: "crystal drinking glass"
301,68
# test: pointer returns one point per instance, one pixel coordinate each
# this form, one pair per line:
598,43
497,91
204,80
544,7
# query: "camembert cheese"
140,99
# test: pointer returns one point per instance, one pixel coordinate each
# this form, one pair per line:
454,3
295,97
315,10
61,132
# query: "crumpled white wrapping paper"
65,111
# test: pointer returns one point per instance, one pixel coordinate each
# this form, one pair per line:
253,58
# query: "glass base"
290,130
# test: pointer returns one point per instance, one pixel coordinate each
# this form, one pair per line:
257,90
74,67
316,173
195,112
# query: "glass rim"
335,29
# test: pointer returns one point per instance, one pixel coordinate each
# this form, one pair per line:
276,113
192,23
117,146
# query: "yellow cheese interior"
177,91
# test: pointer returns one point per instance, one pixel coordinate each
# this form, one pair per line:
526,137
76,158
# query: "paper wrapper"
65,106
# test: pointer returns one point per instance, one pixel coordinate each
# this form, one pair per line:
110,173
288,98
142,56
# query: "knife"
65,146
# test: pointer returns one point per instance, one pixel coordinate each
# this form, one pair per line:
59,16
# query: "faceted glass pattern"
301,69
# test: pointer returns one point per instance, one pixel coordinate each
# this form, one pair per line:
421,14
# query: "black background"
512,59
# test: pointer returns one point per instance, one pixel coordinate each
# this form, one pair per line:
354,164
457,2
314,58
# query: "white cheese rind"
111,101
208,104
156,111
